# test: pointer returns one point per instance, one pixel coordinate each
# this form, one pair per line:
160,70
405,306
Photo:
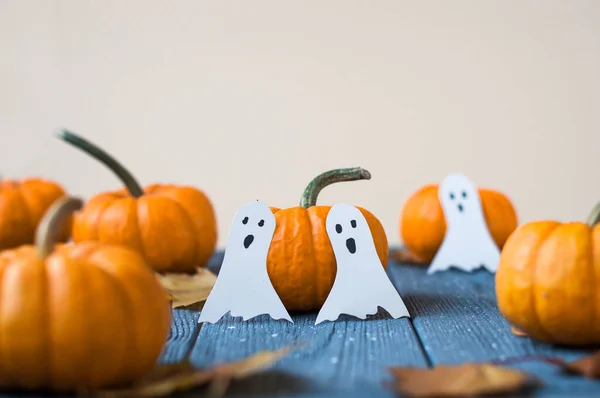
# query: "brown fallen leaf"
166,380
588,366
244,368
466,380
403,255
187,289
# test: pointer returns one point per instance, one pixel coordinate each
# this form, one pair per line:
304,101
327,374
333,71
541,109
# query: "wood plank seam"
194,338
428,359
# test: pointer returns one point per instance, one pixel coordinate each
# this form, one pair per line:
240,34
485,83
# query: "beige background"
251,99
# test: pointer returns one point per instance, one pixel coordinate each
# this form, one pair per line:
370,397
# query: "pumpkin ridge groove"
315,259
46,304
96,228
294,242
191,225
533,290
85,340
142,247
3,268
130,341
27,208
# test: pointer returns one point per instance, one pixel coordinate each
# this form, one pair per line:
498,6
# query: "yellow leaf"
185,289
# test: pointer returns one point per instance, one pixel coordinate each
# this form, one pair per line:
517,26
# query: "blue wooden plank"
457,320
338,356
182,336
348,357
184,325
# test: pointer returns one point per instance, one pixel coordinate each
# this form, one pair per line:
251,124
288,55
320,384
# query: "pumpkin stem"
99,154
50,223
309,197
594,216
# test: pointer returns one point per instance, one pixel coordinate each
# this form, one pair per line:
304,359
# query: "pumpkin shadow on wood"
380,315
436,305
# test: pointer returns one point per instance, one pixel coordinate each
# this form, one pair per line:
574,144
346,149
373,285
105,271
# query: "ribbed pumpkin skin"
173,227
547,282
22,206
301,263
423,225
88,316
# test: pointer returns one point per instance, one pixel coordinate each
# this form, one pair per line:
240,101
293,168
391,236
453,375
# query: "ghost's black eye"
338,228
451,195
353,223
261,223
245,220
464,194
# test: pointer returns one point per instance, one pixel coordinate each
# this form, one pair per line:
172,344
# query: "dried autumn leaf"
588,366
517,332
187,289
469,379
403,255
244,368
166,380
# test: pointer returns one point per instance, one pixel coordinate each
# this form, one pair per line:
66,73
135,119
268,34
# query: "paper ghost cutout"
468,244
243,286
361,284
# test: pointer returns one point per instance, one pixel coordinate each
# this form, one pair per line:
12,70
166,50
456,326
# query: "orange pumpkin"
301,263
547,281
22,206
77,317
173,227
423,225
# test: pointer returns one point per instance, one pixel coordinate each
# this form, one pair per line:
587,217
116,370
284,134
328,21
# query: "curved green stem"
309,197
51,222
97,153
594,216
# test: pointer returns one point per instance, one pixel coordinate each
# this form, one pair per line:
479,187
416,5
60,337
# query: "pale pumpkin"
547,281
77,317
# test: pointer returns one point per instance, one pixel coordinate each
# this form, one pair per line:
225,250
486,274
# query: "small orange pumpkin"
423,225
173,227
77,317
547,281
22,206
301,263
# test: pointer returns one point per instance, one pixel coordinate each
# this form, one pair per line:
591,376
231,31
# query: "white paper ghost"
468,244
361,284
243,286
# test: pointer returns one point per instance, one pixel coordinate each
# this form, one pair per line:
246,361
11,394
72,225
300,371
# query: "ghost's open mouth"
460,207
248,241
351,245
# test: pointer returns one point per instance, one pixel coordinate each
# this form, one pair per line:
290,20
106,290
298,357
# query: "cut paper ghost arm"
361,284
243,287
468,244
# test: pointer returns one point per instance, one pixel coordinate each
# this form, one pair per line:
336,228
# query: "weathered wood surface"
346,356
457,320
454,320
